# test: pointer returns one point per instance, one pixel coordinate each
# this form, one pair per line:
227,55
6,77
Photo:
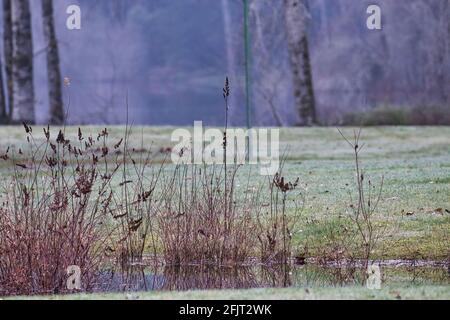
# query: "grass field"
415,163
328,293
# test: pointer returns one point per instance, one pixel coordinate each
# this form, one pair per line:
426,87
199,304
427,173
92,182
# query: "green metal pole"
247,64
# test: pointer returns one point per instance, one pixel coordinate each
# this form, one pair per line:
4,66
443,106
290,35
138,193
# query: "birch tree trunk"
22,63
53,66
7,51
295,21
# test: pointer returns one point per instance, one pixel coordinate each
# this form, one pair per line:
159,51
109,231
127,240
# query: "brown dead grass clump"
98,205
51,211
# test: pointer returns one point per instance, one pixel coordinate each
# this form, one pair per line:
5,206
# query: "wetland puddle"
401,273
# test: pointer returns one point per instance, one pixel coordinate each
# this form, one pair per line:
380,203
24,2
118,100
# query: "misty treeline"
405,66
311,61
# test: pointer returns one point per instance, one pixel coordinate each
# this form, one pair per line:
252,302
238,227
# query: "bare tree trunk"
269,70
446,66
53,68
22,63
295,20
7,51
442,53
3,113
436,68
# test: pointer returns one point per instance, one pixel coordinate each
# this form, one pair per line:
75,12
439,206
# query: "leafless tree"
7,51
53,65
444,70
3,113
269,62
296,20
22,63
447,50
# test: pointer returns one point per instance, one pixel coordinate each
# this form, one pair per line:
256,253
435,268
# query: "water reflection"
204,277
